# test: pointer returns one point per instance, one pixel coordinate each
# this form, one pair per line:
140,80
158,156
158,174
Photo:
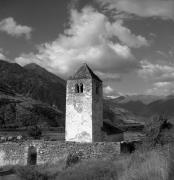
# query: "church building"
84,107
84,112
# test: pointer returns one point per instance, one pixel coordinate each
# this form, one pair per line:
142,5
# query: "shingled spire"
84,72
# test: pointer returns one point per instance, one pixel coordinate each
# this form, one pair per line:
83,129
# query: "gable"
84,72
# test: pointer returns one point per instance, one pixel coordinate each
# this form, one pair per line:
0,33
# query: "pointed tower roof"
84,72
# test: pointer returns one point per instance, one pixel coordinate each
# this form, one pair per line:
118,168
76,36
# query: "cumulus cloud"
162,77
10,26
109,76
161,88
143,8
89,39
2,56
110,92
125,35
156,72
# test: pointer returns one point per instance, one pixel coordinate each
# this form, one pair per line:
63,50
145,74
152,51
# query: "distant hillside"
35,87
35,82
145,99
165,106
118,115
138,108
17,111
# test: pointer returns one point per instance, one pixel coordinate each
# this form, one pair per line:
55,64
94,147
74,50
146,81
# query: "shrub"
72,158
157,132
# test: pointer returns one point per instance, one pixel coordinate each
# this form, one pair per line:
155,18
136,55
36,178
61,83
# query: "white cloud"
156,72
9,26
161,88
162,77
163,54
108,90
2,56
171,52
144,8
88,39
125,35
109,76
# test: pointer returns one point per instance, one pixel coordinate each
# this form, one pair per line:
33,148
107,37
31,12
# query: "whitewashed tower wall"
84,110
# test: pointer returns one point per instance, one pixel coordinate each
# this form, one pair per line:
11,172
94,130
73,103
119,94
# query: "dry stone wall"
52,151
13,153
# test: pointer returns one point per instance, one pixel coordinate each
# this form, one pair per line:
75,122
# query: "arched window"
76,88
32,156
81,87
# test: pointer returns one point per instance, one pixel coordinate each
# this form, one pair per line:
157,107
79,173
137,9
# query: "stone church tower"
84,108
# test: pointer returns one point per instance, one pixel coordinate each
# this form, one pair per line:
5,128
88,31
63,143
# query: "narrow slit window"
77,88
81,87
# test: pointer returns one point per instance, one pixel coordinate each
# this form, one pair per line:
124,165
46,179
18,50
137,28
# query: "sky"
128,43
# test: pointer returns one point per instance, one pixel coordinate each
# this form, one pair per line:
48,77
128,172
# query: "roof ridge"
85,72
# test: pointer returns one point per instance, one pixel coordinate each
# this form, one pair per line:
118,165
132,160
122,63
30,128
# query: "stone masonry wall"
79,111
97,110
52,151
13,153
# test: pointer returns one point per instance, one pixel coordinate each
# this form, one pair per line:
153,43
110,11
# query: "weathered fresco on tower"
84,109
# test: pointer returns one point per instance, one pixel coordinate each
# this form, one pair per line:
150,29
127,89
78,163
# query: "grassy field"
155,164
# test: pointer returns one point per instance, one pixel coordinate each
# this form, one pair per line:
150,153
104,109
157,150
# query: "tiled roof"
84,72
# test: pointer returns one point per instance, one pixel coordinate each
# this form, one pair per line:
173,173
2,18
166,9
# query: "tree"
156,131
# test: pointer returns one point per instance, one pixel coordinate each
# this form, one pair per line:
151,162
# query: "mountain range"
30,95
36,92
35,82
145,99
146,105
